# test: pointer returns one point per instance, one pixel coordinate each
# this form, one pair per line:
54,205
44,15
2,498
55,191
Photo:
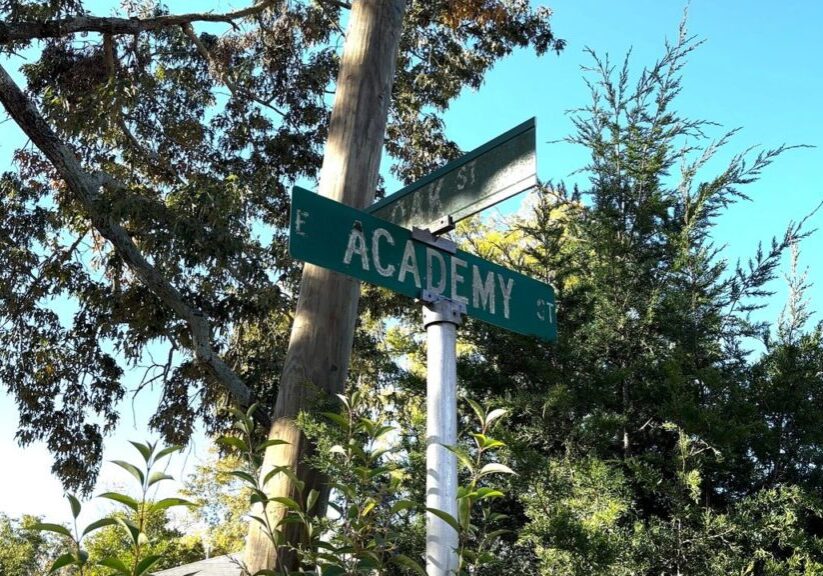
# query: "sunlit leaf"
495,468
57,528
122,498
494,415
97,524
116,564
269,443
145,564
144,449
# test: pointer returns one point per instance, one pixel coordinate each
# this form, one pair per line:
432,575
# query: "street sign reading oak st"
497,170
347,240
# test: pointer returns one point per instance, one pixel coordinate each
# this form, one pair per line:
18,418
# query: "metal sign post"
441,318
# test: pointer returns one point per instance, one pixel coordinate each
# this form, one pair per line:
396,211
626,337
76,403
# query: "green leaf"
488,493
401,505
266,572
341,421
494,415
445,517
233,442
252,409
464,512
144,449
158,477
486,443
495,468
115,564
338,449
268,443
245,476
497,533
122,498
132,530
62,562
258,497
274,472
166,451
75,505
132,469
368,507
333,570
46,527
145,564
97,524
311,500
382,431
285,501
481,414
406,562
171,502
260,520
462,456
344,400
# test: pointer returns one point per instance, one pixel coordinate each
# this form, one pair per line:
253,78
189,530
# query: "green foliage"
205,133
119,544
578,510
377,519
648,440
25,551
477,522
648,432
221,504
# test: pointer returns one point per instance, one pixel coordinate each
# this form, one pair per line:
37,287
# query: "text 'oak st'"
341,238
497,170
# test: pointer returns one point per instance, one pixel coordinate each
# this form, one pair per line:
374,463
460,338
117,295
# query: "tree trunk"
321,339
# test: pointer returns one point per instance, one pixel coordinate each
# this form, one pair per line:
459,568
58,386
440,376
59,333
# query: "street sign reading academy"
347,240
497,170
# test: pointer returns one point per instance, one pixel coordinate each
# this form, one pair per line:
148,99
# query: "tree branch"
85,187
22,31
221,73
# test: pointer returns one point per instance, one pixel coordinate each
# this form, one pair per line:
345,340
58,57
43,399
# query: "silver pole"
441,319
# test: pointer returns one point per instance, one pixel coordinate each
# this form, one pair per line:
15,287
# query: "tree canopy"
669,430
152,206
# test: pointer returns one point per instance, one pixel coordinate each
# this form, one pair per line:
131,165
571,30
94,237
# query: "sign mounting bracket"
426,236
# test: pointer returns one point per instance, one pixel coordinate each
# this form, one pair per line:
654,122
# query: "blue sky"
759,69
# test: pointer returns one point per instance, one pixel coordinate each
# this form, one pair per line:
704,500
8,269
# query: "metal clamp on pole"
441,317
425,236
436,309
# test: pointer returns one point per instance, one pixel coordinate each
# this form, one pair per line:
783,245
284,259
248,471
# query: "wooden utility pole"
320,346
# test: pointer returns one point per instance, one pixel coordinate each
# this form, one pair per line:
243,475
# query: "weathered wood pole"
320,346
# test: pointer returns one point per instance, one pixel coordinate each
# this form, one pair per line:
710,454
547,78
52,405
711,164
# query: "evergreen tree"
650,439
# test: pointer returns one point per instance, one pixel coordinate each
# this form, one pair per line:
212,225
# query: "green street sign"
485,176
347,240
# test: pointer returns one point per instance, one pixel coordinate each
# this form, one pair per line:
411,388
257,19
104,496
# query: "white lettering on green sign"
485,293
